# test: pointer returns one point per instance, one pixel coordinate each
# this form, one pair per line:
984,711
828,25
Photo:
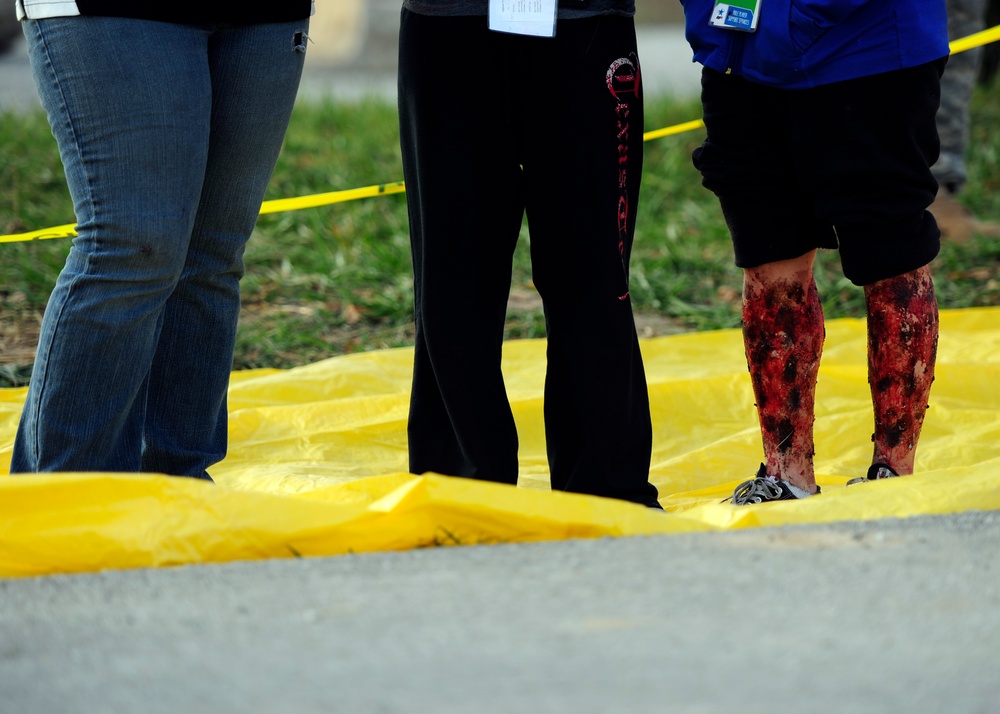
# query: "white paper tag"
736,15
524,17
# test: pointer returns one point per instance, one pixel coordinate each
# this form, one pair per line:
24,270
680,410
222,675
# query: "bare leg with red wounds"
783,334
902,348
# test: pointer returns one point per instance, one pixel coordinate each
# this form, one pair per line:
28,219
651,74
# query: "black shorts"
844,165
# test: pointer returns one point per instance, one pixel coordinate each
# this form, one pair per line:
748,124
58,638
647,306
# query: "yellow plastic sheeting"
318,457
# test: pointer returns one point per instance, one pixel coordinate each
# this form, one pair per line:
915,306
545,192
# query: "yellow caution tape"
671,130
66,231
325,199
978,39
275,206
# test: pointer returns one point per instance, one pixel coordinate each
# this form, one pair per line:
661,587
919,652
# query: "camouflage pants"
965,17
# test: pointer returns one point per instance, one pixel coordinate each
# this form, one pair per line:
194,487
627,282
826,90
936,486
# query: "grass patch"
336,279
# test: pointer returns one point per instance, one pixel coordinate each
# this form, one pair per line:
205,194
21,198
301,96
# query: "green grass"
336,279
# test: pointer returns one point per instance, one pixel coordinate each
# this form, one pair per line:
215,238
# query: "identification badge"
736,15
524,17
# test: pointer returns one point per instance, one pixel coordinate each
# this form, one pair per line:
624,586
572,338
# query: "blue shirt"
807,43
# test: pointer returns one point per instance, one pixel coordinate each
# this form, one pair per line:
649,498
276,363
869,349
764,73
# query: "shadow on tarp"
318,458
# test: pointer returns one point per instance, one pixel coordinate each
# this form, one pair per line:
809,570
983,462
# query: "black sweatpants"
494,126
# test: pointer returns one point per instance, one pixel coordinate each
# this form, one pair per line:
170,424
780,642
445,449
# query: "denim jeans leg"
131,106
255,72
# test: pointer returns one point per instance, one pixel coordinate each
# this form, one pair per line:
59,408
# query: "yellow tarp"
318,457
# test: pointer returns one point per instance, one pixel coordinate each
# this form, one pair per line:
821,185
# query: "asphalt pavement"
878,616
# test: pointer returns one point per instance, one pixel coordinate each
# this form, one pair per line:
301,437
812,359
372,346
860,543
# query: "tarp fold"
317,462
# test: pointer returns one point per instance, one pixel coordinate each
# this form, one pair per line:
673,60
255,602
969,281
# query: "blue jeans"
168,134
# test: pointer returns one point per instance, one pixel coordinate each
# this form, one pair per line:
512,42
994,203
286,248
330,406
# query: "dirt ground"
19,328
